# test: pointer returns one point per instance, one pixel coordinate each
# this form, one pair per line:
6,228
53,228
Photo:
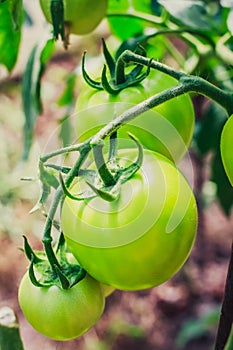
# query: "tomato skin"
141,239
167,128
226,148
62,314
81,15
107,290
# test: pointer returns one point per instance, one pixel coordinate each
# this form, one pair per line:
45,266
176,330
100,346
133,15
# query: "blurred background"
182,313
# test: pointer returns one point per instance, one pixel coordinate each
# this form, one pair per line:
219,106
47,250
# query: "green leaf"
68,95
48,180
193,329
67,99
208,129
66,130
31,86
9,330
123,27
193,13
48,176
11,14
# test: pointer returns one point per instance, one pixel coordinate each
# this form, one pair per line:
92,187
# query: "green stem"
187,84
135,111
132,57
138,15
222,51
104,173
47,238
191,83
203,87
113,147
72,148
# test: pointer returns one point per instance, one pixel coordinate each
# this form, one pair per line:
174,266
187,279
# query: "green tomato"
79,14
62,314
167,129
142,238
226,148
107,290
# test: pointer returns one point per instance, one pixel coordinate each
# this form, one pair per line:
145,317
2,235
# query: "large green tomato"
167,129
227,148
81,15
140,239
62,314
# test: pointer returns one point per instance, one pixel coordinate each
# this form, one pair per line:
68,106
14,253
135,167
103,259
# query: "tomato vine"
207,48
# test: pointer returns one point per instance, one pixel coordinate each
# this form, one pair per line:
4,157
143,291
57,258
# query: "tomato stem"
57,14
191,83
106,176
47,238
113,147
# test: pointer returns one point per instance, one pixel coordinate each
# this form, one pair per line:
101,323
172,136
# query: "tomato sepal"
42,274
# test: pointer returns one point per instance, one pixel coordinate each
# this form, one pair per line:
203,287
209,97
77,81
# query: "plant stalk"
226,318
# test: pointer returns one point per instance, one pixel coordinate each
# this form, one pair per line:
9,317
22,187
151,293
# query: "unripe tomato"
167,128
83,16
142,238
226,148
62,314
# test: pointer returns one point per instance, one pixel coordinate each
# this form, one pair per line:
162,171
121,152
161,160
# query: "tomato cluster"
135,231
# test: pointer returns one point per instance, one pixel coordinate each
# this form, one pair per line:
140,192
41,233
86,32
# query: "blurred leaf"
230,21
156,8
208,129
31,86
65,133
226,3
143,6
192,13
207,139
194,329
67,97
224,188
9,330
126,27
48,180
11,14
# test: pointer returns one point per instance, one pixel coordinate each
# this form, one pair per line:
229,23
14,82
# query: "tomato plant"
167,128
79,15
62,314
226,148
131,224
134,242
